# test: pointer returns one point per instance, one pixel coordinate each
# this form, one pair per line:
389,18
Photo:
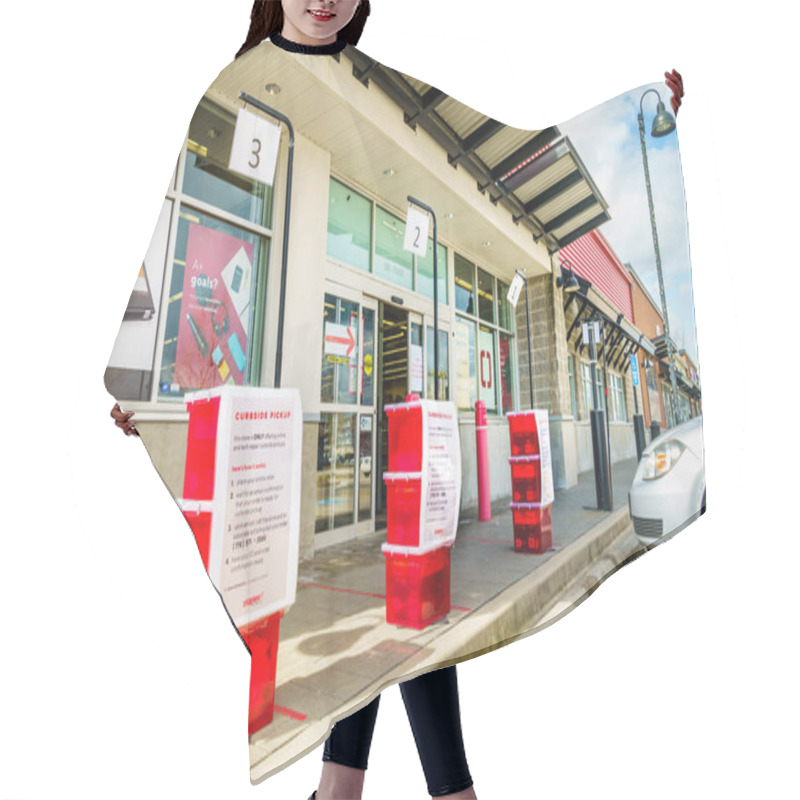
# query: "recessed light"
487,244
272,88
389,172
449,215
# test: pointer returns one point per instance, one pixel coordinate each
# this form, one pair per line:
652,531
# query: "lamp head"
664,122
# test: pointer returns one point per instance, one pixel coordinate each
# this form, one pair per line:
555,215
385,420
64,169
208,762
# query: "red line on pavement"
337,589
460,608
288,712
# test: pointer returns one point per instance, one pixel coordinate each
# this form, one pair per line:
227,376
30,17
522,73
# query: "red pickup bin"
403,499
261,638
523,432
198,515
417,587
198,476
532,527
526,479
405,436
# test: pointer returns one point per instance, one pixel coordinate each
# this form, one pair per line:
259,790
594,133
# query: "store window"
485,354
392,262
465,285
586,375
652,392
573,397
505,311
425,272
485,296
466,381
349,226
211,310
206,175
506,373
616,385
351,241
444,372
196,317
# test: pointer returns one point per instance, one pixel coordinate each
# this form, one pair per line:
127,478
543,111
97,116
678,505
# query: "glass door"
345,445
393,386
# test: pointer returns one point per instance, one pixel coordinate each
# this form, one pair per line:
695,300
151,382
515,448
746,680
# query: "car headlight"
659,461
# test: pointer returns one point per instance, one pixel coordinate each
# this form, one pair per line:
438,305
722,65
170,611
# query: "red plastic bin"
261,638
524,433
403,500
405,437
417,587
526,479
198,515
533,528
201,445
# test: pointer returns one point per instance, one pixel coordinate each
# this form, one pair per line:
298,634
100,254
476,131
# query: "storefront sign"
416,238
486,387
340,340
254,541
256,142
515,289
591,329
212,340
634,370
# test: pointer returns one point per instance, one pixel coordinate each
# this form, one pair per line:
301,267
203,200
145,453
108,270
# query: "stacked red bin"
417,574
532,518
197,505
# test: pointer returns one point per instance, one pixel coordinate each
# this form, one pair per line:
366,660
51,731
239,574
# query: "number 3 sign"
254,152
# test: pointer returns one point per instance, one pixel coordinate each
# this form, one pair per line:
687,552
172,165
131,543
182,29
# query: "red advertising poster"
212,341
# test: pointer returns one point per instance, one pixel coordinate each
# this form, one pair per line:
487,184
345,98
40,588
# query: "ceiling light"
272,89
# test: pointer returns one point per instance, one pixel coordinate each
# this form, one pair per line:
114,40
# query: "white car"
669,489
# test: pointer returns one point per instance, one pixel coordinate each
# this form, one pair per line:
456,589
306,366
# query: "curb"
516,610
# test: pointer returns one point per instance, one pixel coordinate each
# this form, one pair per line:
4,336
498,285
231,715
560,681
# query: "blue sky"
607,140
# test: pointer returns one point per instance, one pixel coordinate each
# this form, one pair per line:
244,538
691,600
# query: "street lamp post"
663,124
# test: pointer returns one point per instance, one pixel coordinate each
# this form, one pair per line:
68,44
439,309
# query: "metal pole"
606,409
602,477
286,218
670,356
427,208
528,322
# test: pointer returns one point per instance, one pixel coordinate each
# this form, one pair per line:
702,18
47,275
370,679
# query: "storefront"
358,330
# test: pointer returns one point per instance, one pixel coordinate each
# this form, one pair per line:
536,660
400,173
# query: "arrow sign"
339,340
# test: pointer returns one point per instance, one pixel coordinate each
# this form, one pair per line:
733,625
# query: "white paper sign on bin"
441,473
255,528
545,456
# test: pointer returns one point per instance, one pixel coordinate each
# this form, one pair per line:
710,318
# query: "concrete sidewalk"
337,652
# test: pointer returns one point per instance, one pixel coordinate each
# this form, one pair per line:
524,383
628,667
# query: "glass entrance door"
393,386
345,474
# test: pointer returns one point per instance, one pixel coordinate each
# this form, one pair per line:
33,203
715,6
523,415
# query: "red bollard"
482,452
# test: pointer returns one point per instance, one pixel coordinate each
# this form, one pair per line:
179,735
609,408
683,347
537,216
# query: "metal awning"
623,339
689,387
660,343
537,175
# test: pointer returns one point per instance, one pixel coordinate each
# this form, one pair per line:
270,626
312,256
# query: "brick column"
550,371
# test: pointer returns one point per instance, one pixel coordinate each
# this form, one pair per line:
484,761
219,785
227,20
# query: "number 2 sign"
416,238
254,152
